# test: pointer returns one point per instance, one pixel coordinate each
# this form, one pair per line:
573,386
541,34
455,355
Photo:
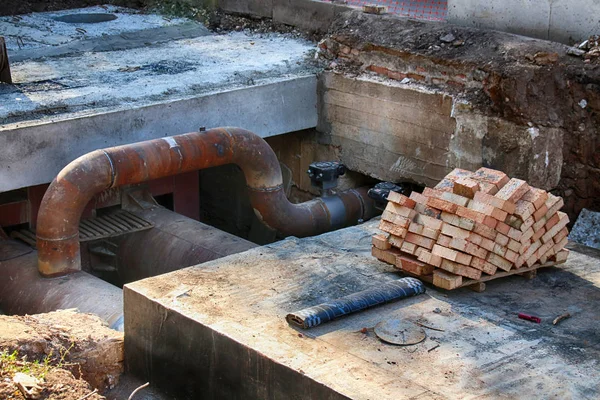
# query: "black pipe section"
384,293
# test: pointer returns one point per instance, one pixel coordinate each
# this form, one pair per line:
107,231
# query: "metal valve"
380,192
324,174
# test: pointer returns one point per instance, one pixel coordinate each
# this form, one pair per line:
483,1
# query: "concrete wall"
565,21
394,132
305,14
388,131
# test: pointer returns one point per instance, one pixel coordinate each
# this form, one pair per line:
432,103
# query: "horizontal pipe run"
78,182
24,291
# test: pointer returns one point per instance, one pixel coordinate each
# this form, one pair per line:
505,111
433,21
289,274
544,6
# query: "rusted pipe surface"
173,243
24,291
78,182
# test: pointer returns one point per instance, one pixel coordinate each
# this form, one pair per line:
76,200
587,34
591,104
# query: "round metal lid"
396,331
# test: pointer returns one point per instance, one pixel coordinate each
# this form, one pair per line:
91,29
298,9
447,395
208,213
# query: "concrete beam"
261,8
306,14
34,152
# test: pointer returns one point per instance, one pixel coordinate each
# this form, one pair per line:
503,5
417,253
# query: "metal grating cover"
113,224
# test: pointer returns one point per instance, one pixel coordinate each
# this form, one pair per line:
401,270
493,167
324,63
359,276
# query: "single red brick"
401,199
535,196
443,205
381,241
513,190
497,178
466,187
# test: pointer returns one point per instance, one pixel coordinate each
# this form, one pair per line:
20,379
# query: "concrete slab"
220,329
586,230
112,89
42,30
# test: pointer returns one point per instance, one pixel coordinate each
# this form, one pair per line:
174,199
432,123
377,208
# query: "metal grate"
431,10
113,224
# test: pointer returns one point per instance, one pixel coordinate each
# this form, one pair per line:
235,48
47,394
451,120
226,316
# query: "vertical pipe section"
78,182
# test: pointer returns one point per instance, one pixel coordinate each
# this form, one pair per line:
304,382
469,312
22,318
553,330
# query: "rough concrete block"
261,8
304,14
586,230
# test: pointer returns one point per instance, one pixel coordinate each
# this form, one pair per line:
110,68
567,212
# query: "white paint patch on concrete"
37,30
403,164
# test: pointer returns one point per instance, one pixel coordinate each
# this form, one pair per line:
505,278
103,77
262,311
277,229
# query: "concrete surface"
520,104
120,88
389,130
309,15
397,130
220,329
34,152
41,30
564,21
586,230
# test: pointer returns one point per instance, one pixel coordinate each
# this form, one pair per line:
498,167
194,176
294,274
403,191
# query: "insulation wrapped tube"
384,293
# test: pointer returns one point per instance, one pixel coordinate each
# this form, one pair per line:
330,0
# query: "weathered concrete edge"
156,334
34,153
311,15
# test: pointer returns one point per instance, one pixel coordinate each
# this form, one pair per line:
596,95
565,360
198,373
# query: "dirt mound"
79,344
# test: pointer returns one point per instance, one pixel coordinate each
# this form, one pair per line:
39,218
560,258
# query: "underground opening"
90,18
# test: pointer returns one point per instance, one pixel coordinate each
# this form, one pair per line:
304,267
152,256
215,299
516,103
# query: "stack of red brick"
470,224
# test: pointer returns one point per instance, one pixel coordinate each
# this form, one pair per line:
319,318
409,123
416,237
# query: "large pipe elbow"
78,182
61,208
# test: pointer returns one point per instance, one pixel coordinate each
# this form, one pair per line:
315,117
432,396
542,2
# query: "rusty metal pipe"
175,242
78,182
24,291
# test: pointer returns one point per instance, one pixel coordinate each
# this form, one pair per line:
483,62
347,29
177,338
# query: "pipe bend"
78,182
61,208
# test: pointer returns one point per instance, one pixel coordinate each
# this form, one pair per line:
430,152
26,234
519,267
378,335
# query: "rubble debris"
28,385
574,51
543,58
560,318
80,342
472,225
531,318
588,49
374,9
448,38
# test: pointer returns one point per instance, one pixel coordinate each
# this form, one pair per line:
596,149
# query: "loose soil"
71,354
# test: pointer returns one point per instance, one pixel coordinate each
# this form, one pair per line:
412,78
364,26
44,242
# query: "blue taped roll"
384,293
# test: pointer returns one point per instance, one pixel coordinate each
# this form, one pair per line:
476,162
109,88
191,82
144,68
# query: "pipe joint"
78,182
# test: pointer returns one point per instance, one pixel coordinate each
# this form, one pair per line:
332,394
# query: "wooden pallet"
446,280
